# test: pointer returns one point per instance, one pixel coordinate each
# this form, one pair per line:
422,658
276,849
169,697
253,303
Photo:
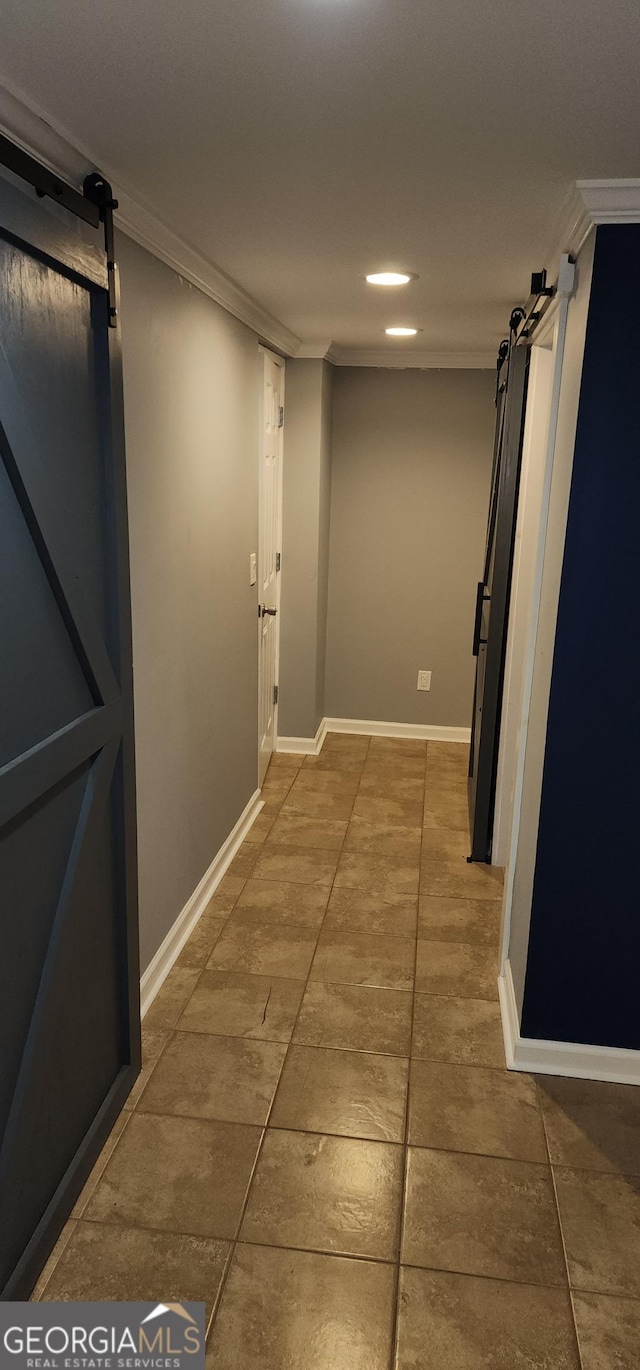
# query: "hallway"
324,1143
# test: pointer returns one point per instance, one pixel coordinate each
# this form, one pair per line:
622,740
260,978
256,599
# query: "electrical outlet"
424,680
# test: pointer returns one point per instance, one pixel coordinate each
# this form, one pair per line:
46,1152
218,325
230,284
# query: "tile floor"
324,1144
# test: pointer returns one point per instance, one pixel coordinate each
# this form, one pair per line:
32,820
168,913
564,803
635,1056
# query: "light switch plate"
253,569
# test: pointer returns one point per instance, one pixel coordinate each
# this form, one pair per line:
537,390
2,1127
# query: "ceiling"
299,144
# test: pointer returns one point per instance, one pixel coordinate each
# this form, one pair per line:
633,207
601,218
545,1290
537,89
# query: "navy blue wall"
583,972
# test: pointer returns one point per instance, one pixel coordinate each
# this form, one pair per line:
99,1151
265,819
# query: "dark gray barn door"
69,1016
492,604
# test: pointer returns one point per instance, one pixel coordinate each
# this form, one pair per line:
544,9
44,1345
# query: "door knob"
271,612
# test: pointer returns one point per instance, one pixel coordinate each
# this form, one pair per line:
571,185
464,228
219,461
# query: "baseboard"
578,1060
433,732
308,746
158,969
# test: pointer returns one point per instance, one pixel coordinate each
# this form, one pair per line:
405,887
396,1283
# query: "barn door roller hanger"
95,205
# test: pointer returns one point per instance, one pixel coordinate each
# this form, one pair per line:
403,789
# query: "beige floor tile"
201,942
351,1093
358,958
383,839
356,1018
296,1310
457,752
285,761
108,1262
359,911
396,767
153,1043
459,920
326,781
261,1007
388,812
280,901
335,760
169,1003
299,830
277,784
100,1165
461,969
224,898
470,1108
303,866
315,803
346,742
274,800
261,826
459,1322
378,784
226,1078
265,949
608,1331
245,860
600,1217
444,844
591,1123
459,880
398,746
179,1175
480,1215
452,814
381,875
462,1031
326,1194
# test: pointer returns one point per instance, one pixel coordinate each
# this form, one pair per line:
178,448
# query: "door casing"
269,547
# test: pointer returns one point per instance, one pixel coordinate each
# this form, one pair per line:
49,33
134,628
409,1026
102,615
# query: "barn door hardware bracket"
99,193
45,182
539,300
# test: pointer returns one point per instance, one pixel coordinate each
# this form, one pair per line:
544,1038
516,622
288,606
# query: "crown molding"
588,204
315,350
421,361
611,202
38,134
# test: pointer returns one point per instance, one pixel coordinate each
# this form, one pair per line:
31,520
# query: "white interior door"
271,429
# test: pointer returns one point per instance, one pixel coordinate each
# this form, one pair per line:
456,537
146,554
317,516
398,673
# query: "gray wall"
412,455
191,385
305,545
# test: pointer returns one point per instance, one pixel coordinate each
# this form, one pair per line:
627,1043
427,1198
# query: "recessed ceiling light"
390,278
401,332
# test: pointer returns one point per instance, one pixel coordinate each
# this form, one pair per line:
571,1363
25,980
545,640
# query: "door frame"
43,236
281,364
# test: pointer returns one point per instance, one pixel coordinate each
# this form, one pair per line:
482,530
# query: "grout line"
395,1331
559,1219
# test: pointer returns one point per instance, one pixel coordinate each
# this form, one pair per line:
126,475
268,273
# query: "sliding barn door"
493,593
69,1015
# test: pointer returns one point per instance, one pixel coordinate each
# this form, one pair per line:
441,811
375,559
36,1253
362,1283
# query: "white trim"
578,1060
611,202
166,955
393,359
40,135
307,746
589,203
316,350
433,732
